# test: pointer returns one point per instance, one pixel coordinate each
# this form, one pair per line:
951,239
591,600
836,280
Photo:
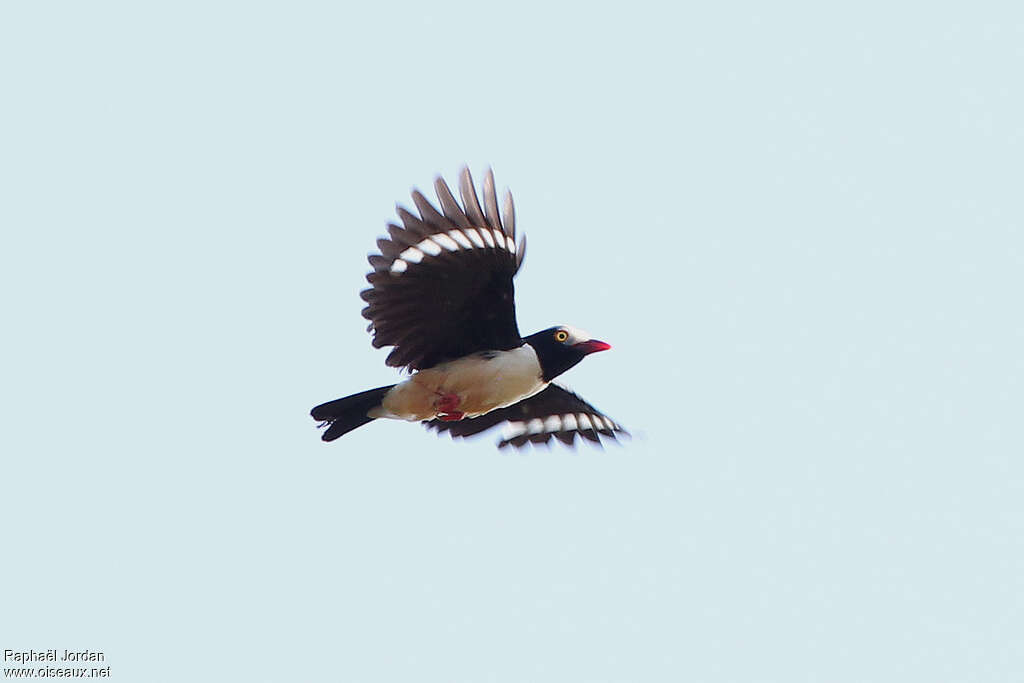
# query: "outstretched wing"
441,287
555,413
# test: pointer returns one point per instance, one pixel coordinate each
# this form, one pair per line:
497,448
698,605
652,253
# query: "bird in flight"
441,295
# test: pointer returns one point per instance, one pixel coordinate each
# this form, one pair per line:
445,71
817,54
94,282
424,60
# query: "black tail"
345,414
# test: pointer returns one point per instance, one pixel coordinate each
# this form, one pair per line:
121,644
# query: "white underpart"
482,384
454,240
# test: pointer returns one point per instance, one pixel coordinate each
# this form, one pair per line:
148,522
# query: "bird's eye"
561,336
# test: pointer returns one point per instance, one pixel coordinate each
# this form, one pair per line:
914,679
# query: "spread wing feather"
555,413
441,286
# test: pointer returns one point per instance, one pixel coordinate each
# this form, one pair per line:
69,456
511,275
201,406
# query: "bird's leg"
447,405
446,402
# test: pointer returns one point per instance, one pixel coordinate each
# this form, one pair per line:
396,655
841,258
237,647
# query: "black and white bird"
441,294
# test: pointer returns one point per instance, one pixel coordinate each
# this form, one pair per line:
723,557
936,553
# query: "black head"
560,348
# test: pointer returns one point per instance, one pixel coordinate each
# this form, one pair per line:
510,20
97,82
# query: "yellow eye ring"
561,336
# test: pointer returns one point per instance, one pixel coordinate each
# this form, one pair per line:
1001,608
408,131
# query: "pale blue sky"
799,225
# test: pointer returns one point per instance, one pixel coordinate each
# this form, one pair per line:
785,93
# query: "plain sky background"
799,224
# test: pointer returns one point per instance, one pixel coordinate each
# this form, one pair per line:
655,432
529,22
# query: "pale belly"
482,385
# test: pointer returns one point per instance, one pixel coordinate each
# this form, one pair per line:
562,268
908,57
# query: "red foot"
447,406
447,403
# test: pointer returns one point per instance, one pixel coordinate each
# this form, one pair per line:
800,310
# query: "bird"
441,295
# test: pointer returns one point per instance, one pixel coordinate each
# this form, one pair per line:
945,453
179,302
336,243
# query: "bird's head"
560,348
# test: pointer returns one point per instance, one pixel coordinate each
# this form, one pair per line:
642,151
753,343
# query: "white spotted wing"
555,413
